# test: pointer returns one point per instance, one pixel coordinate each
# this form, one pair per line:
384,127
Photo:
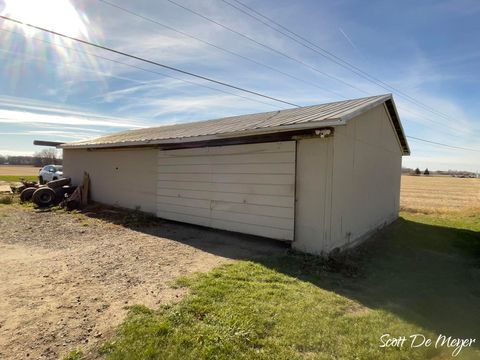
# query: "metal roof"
308,117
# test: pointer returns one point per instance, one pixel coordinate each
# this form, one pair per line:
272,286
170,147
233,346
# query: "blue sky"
427,49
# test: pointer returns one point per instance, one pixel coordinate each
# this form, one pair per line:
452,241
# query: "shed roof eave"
225,136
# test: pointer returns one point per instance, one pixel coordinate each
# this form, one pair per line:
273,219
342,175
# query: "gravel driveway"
65,279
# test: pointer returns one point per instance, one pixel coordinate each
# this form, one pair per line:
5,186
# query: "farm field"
110,285
439,194
20,170
13,173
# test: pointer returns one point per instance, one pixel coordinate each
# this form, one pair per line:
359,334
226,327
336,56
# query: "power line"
17,54
269,47
159,73
428,119
442,144
220,48
128,11
292,58
330,56
140,68
148,61
192,74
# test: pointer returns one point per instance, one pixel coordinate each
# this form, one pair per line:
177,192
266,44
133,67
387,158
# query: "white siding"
125,178
245,188
366,177
313,194
347,185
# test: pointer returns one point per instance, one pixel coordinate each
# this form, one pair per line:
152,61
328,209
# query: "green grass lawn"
17,178
421,275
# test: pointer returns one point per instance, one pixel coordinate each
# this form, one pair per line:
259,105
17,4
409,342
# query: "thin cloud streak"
49,108
10,152
59,134
349,40
15,117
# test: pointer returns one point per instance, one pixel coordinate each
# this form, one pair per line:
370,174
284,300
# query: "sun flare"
31,49
57,15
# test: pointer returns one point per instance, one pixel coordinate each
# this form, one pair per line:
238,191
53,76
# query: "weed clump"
74,355
6,199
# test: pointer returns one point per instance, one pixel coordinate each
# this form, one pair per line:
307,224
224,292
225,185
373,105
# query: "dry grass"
19,170
426,194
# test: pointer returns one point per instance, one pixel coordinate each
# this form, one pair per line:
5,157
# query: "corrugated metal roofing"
330,114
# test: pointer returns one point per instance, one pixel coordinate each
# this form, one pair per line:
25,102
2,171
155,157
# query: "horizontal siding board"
252,229
260,189
232,149
279,234
182,209
255,199
185,169
185,177
175,200
267,179
191,219
239,198
261,158
170,211
281,168
264,210
245,188
265,221
184,185
187,194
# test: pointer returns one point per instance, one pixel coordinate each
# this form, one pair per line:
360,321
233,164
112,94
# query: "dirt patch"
357,309
66,279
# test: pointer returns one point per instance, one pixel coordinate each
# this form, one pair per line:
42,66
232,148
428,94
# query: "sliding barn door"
244,188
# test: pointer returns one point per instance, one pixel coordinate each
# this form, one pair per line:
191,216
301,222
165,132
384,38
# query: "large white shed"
321,177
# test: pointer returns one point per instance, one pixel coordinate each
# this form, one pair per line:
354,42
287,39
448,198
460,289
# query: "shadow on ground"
227,244
428,275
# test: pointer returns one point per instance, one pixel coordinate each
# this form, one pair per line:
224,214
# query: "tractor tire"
44,197
59,193
58,183
26,194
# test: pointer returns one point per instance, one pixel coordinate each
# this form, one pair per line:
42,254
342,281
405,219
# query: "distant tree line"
455,173
41,158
